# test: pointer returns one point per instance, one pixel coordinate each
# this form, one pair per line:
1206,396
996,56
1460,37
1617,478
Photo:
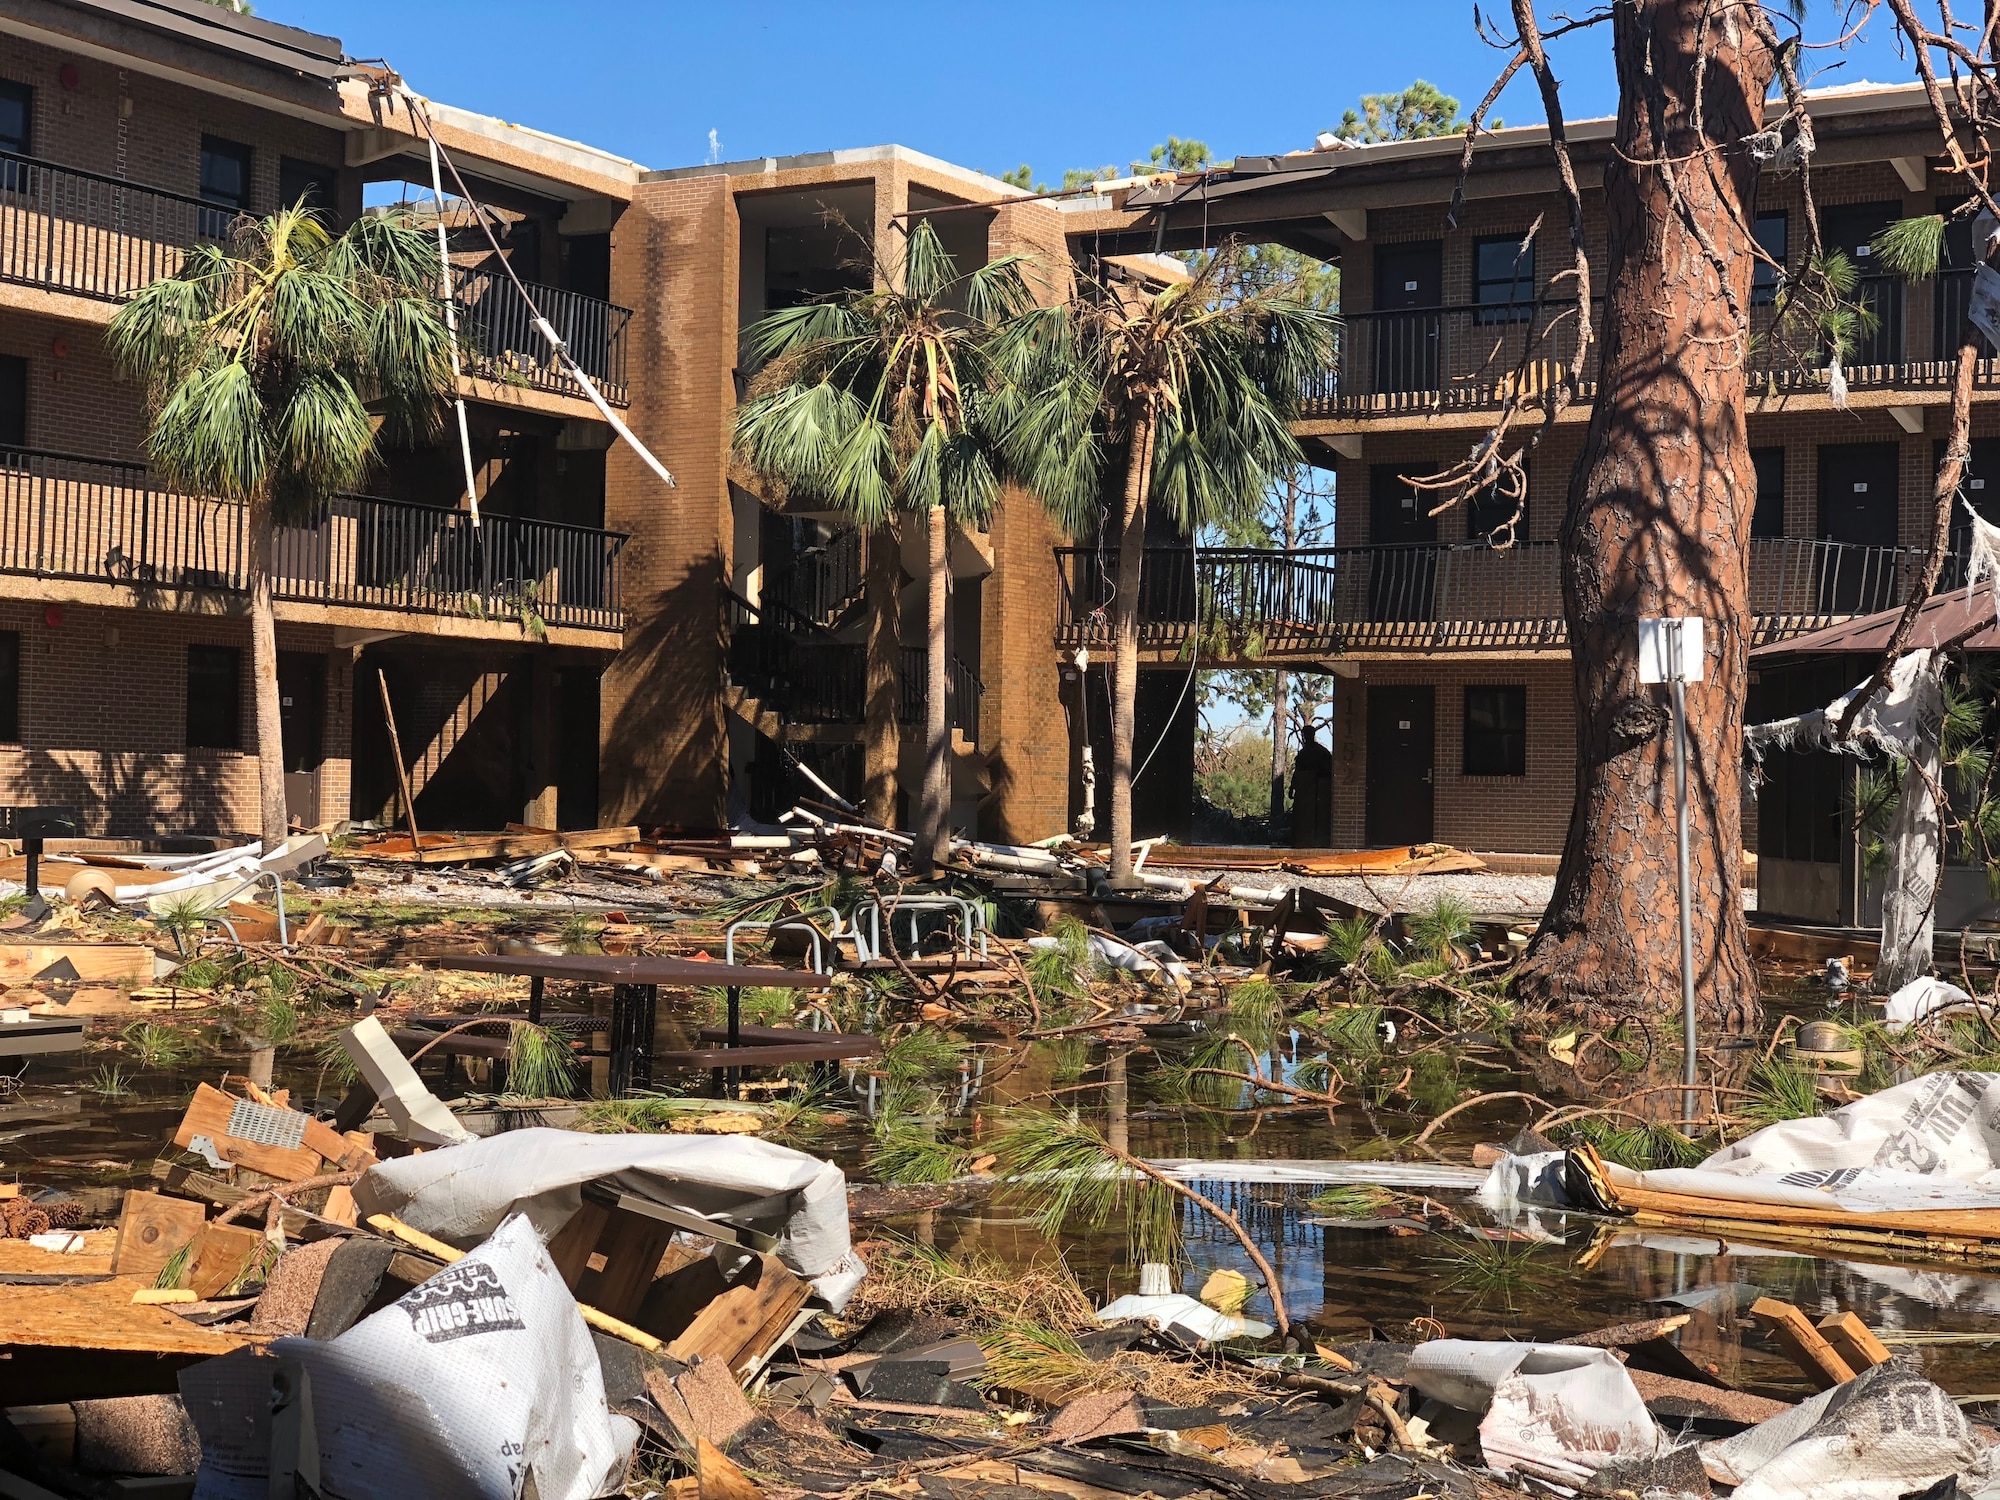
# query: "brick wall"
129,124
1510,813
104,722
76,403
673,262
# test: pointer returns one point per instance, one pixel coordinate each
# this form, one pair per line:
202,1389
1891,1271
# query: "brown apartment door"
302,716
1857,510
1409,289
1402,755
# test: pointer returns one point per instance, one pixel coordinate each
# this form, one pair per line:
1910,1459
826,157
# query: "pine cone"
64,1213
34,1221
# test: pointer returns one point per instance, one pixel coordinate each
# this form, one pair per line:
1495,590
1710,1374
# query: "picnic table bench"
636,980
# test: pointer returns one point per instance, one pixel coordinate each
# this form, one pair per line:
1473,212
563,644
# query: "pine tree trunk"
1125,645
882,579
264,680
934,832
1658,524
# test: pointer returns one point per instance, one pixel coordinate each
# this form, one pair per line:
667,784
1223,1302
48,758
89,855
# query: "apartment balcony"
1241,607
363,561
103,239
1431,361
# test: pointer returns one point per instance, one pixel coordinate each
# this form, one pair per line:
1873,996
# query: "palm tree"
263,358
877,402
1188,386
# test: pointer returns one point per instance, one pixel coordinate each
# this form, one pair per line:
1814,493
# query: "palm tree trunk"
882,578
934,837
1125,645
1281,742
264,679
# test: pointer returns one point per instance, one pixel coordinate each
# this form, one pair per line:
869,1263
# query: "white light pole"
1670,651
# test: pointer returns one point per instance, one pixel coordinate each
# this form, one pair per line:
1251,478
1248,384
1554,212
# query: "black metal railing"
106,238
498,326
99,520
789,664
92,235
962,692
823,581
1472,357
1244,603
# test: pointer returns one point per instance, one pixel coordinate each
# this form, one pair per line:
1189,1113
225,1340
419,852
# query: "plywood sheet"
95,963
100,1316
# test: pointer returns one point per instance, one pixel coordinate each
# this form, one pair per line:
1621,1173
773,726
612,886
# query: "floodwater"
94,1124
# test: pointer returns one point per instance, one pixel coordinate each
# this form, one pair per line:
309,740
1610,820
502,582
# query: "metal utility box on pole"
1670,651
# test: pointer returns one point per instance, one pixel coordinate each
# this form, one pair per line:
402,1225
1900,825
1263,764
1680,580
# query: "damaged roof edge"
1827,104
211,28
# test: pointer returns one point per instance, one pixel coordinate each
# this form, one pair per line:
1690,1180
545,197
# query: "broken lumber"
1854,1341
1802,1343
210,1113
395,1228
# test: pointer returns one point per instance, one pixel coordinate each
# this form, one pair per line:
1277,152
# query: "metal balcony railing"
1242,603
822,582
1469,358
105,238
98,520
504,344
962,693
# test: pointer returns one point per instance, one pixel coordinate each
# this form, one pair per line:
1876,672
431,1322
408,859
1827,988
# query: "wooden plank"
1854,1341
100,1317
1802,1343
222,1253
341,1153
1888,1247
571,1247
730,1326
95,963
208,1114
19,1258
622,1266
152,1229
1973,1223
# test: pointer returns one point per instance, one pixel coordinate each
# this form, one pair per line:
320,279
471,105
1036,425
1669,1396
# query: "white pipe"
598,401
451,324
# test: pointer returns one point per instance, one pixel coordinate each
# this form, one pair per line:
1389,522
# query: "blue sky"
985,85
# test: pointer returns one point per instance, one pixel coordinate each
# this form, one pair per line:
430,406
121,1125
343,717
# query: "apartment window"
215,698
1503,280
13,401
1773,233
17,118
225,182
10,685
309,183
1496,731
1768,519
1489,510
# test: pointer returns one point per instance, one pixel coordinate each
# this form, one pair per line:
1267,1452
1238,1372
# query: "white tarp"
1178,1310
1923,998
461,1193
1885,1433
1933,1143
482,1382
1558,1412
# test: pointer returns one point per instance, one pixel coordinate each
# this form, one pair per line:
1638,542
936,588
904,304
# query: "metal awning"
1950,619
212,28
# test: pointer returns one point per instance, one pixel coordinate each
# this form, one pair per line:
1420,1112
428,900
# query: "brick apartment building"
128,134
602,647
1452,692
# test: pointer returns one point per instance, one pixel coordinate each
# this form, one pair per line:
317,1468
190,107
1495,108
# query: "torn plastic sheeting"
483,1381
225,869
1923,998
1146,958
461,1194
1555,1411
419,1115
1885,1433
1177,1310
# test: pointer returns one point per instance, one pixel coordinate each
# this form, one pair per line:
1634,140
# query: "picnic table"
635,981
